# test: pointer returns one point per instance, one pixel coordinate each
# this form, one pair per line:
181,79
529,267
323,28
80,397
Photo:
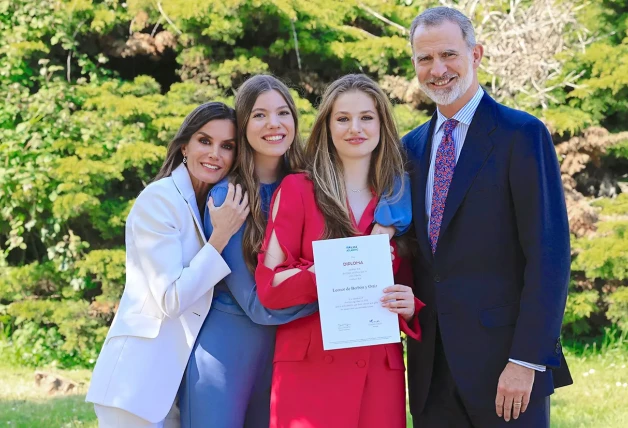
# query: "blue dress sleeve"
241,282
396,210
219,194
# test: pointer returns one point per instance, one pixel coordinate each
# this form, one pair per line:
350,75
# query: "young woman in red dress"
355,156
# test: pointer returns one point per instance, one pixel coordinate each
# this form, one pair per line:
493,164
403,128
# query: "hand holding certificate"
351,274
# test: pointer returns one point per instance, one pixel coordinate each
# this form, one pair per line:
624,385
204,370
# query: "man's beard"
445,97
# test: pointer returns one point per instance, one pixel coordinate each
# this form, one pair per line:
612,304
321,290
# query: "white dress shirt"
464,116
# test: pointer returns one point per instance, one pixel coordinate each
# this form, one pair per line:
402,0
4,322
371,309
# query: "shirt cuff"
537,367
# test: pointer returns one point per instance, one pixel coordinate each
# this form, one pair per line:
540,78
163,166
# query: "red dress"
311,388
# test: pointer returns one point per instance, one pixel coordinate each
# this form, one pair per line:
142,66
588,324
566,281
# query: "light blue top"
237,292
397,209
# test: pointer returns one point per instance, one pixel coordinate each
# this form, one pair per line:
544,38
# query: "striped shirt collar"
465,114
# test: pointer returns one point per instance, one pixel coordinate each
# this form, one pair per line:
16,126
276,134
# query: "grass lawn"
599,397
24,405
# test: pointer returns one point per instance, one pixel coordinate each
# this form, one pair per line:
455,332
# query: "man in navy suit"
493,236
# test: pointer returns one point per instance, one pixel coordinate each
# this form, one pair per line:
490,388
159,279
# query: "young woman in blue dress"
228,378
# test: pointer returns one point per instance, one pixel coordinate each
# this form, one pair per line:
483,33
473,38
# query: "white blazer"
171,271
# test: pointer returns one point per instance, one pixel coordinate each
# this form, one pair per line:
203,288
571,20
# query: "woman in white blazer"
171,269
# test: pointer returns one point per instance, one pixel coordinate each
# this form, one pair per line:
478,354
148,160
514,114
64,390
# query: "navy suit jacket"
497,284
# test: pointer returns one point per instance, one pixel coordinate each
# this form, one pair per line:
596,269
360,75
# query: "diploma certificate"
350,276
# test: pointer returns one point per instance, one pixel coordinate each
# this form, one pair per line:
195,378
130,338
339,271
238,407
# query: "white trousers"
112,417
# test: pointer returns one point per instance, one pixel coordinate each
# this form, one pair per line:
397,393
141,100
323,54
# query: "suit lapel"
424,151
181,179
477,146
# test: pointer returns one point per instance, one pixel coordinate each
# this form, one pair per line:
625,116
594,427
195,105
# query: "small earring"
185,159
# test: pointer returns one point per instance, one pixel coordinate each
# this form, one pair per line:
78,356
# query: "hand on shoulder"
228,218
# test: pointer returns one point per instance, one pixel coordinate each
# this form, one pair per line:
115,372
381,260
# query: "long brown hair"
244,172
326,170
194,121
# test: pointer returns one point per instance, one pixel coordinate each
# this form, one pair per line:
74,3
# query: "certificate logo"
351,248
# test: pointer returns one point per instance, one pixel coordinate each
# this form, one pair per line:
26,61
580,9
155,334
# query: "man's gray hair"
437,15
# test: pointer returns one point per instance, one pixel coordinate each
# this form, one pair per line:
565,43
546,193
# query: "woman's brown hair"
326,171
244,172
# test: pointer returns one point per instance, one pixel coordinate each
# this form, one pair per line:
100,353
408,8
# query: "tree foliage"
94,89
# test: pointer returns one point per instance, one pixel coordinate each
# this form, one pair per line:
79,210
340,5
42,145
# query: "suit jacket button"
436,278
361,363
329,359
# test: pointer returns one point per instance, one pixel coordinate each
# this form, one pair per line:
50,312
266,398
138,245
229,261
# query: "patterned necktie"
443,173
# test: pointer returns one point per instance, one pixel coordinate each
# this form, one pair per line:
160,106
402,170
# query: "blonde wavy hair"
325,169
